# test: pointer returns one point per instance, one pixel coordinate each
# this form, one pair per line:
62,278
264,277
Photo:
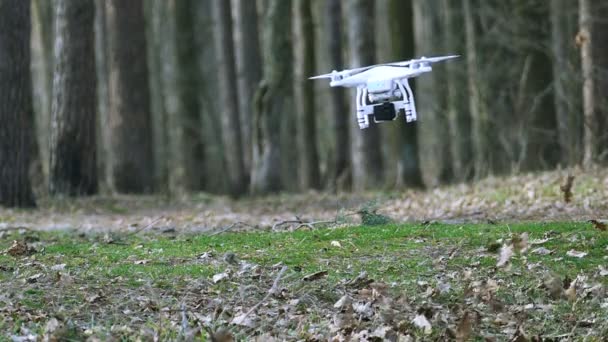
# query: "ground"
504,259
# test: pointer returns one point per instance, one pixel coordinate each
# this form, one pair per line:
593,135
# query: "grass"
168,271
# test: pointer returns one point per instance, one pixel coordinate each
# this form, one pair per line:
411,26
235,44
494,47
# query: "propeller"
335,75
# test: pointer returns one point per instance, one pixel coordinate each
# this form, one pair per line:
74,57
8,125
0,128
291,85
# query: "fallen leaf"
506,252
566,188
244,320
314,276
336,244
576,254
19,248
571,291
541,251
539,241
141,262
34,278
59,267
603,271
554,285
342,302
465,327
599,225
520,242
219,277
421,322
222,335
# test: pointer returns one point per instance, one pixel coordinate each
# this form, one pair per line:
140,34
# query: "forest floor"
502,259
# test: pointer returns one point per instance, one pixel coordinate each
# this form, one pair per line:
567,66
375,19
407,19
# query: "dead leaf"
222,335
94,298
571,291
506,252
19,248
421,322
520,335
59,267
603,271
554,285
244,320
342,302
599,225
541,251
315,276
520,242
566,188
219,277
576,254
336,244
141,262
34,278
465,327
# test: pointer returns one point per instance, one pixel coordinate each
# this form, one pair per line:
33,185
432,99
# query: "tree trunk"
341,117
248,64
585,40
272,98
211,127
366,153
131,160
600,51
73,167
16,112
42,77
310,177
405,145
101,64
229,98
482,150
456,106
434,143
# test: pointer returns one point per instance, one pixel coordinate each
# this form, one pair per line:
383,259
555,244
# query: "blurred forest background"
179,96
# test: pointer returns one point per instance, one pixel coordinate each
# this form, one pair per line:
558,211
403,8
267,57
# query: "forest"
170,172
153,96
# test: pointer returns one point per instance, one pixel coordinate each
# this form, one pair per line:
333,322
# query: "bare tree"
456,106
366,155
248,65
16,112
585,41
130,161
564,87
310,176
272,98
406,143
229,97
340,115
434,146
73,166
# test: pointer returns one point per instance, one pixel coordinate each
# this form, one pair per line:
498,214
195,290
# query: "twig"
145,227
301,223
230,227
273,290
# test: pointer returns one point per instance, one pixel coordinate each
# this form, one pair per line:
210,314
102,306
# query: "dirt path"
524,197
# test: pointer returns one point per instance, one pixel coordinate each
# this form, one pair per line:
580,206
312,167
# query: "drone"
383,90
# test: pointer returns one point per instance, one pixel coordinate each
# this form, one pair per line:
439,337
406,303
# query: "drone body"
383,90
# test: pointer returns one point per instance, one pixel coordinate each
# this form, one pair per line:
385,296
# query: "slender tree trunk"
42,77
248,64
366,153
101,63
434,143
73,167
211,127
16,111
229,95
131,160
405,146
585,40
600,59
341,118
482,150
458,115
310,176
272,98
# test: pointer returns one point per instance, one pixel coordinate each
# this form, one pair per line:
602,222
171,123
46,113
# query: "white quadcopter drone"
383,89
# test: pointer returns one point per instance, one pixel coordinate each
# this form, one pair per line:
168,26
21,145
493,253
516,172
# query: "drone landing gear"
385,111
